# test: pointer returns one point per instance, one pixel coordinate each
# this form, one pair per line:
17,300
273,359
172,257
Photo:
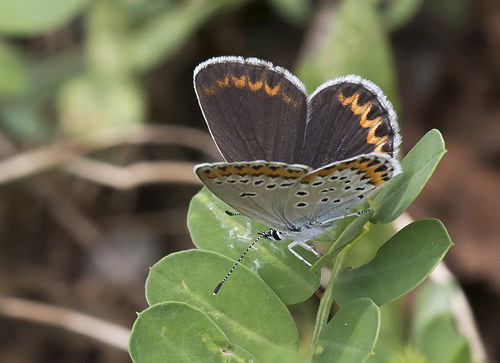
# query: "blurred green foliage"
96,79
29,17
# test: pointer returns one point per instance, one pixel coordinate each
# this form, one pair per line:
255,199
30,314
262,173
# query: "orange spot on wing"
272,91
376,177
255,86
374,140
251,170
372,124
222,83
289,100
239,82
353,100
208,91
379,147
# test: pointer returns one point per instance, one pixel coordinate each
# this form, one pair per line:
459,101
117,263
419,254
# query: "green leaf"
295,11
392,333
463,353
28,17
280,355
212,229
177,332
245,309
366,246
434,330
408,354
433,300
400,265
24,120
418,167
13,76
107,36
163,35
89,102
350,233
355,42
440,342
351,334
397,13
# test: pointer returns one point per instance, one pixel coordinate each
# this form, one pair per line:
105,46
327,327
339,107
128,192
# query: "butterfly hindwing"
257,189
334,190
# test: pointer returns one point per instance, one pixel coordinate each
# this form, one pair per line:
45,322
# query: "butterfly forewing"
257,189
349,116
254,111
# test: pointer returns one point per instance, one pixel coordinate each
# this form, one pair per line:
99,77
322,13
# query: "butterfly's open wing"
254,110
256,189
332,191
349,116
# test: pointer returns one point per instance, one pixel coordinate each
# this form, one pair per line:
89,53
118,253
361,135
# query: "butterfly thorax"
307,232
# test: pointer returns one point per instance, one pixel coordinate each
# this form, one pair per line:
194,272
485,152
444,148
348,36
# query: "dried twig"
157,134
32,162
76,322
131,176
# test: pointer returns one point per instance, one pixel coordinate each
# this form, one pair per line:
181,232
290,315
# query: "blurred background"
100,129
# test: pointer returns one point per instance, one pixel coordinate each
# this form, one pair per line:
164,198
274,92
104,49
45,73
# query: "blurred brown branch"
131,176
76,322
68,154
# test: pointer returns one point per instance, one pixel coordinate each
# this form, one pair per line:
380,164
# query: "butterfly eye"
277,235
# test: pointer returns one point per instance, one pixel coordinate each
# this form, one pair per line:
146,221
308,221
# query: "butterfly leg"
304,245
355,214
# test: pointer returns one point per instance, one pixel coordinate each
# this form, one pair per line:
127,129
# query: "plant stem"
326,302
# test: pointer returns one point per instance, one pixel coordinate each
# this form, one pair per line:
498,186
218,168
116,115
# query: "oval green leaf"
13,75
177,332
297,12
351,335
162,36
212,229
396,13
245,309
418,167
441,342
400,265
434,329
28,17
90,102
392,335
350,233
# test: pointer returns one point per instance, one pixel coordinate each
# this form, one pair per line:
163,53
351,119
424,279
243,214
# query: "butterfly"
293,162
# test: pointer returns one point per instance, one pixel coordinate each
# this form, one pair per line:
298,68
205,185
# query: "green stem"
326,302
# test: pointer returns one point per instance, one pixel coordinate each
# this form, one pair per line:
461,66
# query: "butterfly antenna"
217,288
